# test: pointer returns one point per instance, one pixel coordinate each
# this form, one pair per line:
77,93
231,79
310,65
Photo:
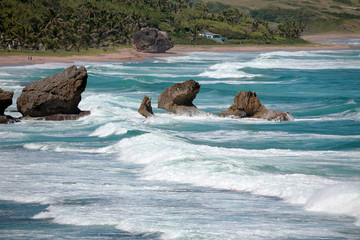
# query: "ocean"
116,175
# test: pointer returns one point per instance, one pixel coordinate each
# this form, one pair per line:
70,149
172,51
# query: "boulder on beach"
178,98
57,94
151,40
145,108
247,104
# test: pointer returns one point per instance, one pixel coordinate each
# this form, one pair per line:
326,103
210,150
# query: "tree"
195,33
291,29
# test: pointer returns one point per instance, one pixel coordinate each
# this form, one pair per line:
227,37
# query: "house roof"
210,33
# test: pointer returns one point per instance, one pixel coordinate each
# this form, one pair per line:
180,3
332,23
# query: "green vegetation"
319,16
77,25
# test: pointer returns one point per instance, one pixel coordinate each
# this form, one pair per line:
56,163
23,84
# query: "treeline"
80,24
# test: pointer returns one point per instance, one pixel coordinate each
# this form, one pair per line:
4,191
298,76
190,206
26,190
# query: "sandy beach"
128,54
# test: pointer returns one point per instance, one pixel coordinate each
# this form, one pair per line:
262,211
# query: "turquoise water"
117,175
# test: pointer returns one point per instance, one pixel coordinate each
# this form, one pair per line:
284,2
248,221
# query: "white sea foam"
289,60
341,199
170,159
236,82
40,66
220,136
104,67
12,135
4,74
227,70
351,102
343,116
66,147
10,85
191,58
109,129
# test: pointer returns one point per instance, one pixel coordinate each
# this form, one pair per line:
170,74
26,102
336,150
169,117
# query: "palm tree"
291,29
195,33
203,9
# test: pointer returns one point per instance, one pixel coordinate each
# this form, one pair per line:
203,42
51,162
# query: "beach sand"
128,54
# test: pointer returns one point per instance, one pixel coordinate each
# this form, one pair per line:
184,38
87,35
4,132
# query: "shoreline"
313,38
129,54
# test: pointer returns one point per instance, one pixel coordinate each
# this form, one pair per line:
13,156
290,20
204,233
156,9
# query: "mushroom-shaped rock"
5,100
145,108
178,98
151,40
246,104
57,94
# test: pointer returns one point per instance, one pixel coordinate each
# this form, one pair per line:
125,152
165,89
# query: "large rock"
151,40
57,94
178,98
5,100
145,108
246,104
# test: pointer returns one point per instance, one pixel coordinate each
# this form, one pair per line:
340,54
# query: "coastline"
129,54
312,38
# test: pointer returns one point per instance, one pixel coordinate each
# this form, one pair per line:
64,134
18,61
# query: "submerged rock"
57,94
61,117
246,104
151,40
5,119
178,98
145,108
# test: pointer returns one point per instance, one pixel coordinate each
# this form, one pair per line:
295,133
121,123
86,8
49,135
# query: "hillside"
82,24
320,16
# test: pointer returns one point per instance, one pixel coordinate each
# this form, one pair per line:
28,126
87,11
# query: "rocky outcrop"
246,104
151,40
61,117
6,101
145,108
57,94
178,98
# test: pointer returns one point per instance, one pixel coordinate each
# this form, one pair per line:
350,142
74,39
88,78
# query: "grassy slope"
325,12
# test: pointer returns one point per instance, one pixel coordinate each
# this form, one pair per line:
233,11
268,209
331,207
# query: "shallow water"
115,174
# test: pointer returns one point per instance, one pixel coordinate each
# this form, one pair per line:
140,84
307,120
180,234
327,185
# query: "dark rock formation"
61,117
5,119
151,40
246,104
178,98
5,100
145,107
57,94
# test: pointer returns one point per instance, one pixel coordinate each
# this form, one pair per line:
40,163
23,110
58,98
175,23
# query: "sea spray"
341,199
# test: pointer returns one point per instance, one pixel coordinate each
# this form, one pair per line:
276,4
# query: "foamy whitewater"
117,175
